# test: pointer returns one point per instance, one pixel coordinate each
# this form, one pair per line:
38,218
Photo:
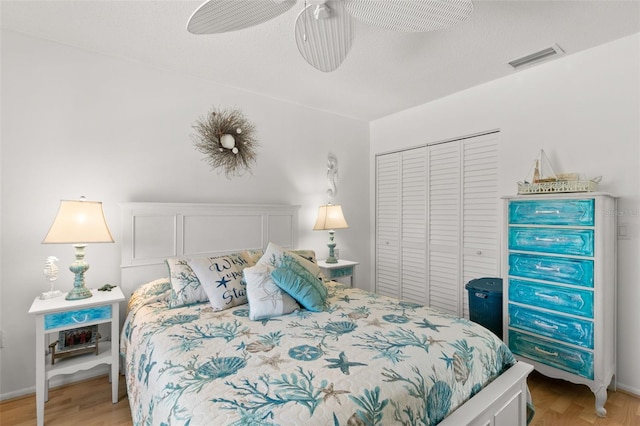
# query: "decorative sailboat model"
543,179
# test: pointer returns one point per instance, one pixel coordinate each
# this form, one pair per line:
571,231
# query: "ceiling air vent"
538,56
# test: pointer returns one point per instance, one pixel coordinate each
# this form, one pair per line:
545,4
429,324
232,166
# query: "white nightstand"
344,268
57,314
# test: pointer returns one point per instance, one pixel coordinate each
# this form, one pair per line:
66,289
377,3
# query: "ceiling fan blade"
410,15
325,42
220,16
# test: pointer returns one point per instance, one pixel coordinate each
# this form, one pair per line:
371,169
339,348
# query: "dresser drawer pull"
551,240
547,211
80,321
547,297
547,268
542,351
544,325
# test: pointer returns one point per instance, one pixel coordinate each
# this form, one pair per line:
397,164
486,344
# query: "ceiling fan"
324,29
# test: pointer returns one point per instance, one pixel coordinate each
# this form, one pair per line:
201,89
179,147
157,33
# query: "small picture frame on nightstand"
75,341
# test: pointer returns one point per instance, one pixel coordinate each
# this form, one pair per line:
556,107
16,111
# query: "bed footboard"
502,403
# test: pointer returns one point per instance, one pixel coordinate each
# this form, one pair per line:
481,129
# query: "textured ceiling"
385,71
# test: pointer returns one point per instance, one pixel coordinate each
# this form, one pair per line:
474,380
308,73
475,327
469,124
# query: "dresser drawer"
562,299
573,360
554,269
552,212
77,317
552,240
556,326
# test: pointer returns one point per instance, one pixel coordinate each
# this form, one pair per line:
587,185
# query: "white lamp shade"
330,217
79,222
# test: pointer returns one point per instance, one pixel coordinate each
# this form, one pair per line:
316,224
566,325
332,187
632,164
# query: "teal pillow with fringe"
300,283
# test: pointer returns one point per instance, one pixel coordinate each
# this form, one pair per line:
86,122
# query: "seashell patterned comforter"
366,360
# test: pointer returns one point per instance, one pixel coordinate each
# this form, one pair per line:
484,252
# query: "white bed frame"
152,232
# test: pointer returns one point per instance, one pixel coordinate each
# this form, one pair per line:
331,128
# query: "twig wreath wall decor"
227,139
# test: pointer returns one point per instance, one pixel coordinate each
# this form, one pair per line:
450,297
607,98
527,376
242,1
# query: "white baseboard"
628,389
62,380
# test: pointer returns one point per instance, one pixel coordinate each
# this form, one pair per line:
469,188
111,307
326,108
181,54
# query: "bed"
337,356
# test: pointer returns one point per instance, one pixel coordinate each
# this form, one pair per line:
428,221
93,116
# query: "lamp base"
78,293
332,245
79,267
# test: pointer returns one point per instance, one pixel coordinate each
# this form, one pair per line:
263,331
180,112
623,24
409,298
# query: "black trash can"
485,303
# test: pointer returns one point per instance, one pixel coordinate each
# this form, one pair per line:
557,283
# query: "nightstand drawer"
80,316
341,272
576,361
552,212
554,269
556,326
561,299
552,240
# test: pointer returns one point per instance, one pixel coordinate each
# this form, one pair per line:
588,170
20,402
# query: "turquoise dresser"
559,270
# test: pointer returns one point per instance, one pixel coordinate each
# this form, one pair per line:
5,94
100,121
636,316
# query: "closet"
437,221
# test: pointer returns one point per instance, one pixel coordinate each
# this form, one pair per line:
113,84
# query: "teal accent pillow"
300,283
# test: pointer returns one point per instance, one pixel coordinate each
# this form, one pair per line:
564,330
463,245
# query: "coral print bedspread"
365,360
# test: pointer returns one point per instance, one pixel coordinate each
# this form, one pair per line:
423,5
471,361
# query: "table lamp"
79,222
330,217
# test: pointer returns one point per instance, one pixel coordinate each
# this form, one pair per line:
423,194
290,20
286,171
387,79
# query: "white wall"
76,123
584,111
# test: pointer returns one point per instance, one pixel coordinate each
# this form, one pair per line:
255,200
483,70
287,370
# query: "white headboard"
152,232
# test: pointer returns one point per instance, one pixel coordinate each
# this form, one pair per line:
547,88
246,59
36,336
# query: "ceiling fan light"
322,12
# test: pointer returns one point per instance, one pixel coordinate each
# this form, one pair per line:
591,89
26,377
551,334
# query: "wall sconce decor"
79,222
332,175
227,140
330,217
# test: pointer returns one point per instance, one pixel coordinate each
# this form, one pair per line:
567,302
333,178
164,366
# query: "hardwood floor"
558,403
84,403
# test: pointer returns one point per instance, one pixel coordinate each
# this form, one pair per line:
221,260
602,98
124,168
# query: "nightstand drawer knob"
79,321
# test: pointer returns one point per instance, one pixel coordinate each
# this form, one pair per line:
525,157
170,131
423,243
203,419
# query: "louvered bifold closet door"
413,243
388,186
480,232
444,227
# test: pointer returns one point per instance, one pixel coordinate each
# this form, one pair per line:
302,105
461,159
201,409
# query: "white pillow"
273,256
222,280
185,286
266,299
